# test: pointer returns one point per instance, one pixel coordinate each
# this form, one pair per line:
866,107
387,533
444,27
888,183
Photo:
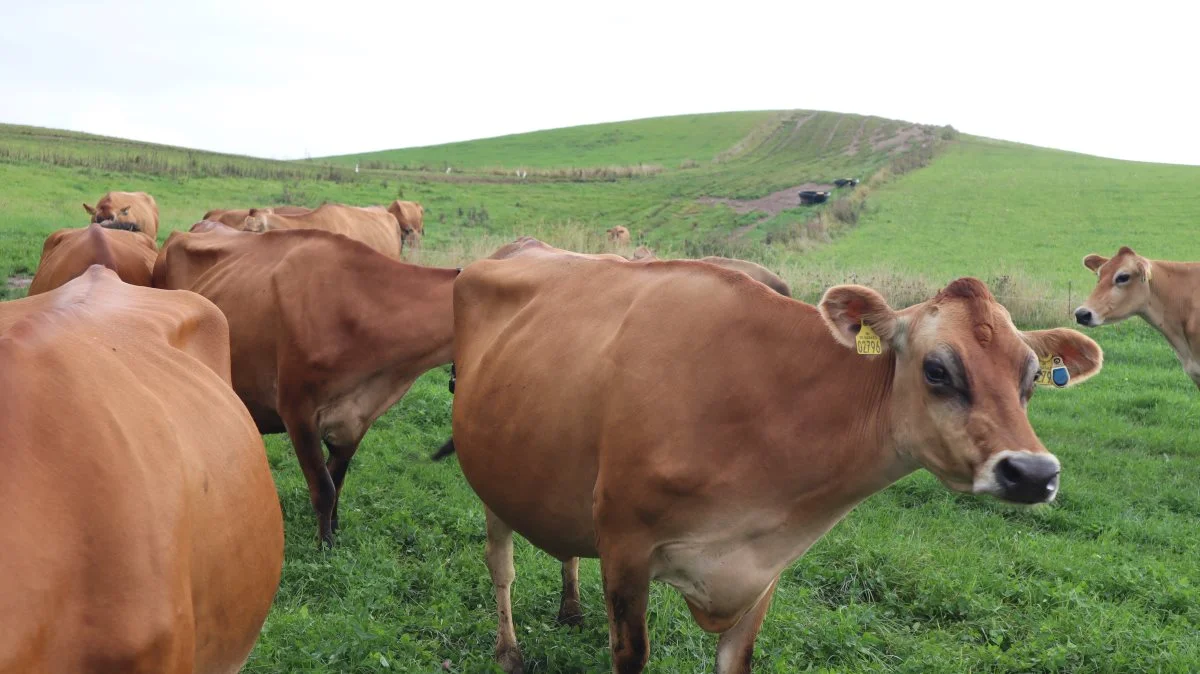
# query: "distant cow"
621,411
642,254
325,336
236,218
136,211
411,217
68,253
846,182
1166,294
372,225
142,527
813,197
619,235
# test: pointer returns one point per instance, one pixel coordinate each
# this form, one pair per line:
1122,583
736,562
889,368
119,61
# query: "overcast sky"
289,78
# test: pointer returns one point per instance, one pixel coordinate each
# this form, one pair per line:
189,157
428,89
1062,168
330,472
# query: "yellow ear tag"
1052,372
867,342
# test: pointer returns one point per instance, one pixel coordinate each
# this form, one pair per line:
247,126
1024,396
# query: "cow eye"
1122,278
936,374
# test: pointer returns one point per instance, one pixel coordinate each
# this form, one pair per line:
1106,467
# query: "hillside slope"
992,208
659,140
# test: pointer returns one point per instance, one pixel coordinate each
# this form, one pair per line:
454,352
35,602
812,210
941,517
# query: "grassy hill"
667,141
916,579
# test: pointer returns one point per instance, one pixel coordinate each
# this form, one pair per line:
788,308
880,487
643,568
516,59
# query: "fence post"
1070,289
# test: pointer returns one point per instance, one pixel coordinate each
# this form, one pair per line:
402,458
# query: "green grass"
989,208
660,140
916,579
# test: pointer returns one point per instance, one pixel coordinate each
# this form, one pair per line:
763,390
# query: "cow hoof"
571,615
326,540
509,659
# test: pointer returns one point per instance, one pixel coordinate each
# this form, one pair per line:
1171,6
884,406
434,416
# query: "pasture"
916,579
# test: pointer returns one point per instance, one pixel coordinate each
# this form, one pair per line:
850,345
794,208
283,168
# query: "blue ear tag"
1052,371
1059,374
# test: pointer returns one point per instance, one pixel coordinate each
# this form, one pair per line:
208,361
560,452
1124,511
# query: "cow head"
962,379
256,220
104,211
1122,288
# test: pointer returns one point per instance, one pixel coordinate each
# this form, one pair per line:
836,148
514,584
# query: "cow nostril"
1008,473
1083,316
1026,478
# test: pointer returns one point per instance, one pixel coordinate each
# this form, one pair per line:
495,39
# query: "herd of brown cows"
685,421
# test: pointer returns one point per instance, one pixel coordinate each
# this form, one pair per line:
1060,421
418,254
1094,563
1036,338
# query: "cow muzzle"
1086,317
1020,477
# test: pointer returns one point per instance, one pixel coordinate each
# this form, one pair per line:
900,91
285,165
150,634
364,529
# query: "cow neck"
863,456
416,308
1168,312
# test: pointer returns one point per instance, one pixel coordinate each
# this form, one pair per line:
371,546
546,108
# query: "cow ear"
1143,267
1093,262
89,209
1082,356
252,212
849,307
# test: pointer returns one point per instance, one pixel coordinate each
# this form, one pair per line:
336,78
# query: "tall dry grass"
1031,302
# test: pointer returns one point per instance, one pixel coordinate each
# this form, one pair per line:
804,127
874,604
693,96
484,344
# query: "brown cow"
619,236
142,527
753,270
68,253
620,411
326,335
1166,294
127,210
411,217
236,218
373,225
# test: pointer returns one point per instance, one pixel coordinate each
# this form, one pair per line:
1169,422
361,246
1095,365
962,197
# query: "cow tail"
446,450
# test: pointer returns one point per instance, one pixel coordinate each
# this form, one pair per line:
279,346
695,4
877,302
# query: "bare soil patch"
773,203
18,281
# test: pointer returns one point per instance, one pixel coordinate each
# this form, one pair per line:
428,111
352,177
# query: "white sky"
285,78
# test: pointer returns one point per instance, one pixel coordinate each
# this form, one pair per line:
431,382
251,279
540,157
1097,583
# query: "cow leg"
626,594
338,465
570,611
321,490
500,564
735,648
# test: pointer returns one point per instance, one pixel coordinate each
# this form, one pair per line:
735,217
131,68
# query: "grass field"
916,579
667,141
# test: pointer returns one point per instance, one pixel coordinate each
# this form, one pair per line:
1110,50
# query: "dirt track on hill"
772,204
19,281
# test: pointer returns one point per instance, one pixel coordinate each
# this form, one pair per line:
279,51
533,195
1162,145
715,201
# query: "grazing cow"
325,335
1166,294
753,270
411,217
136,211
845,182
373,225
619,235
68,253
620,411
236,218
813,197
142,527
